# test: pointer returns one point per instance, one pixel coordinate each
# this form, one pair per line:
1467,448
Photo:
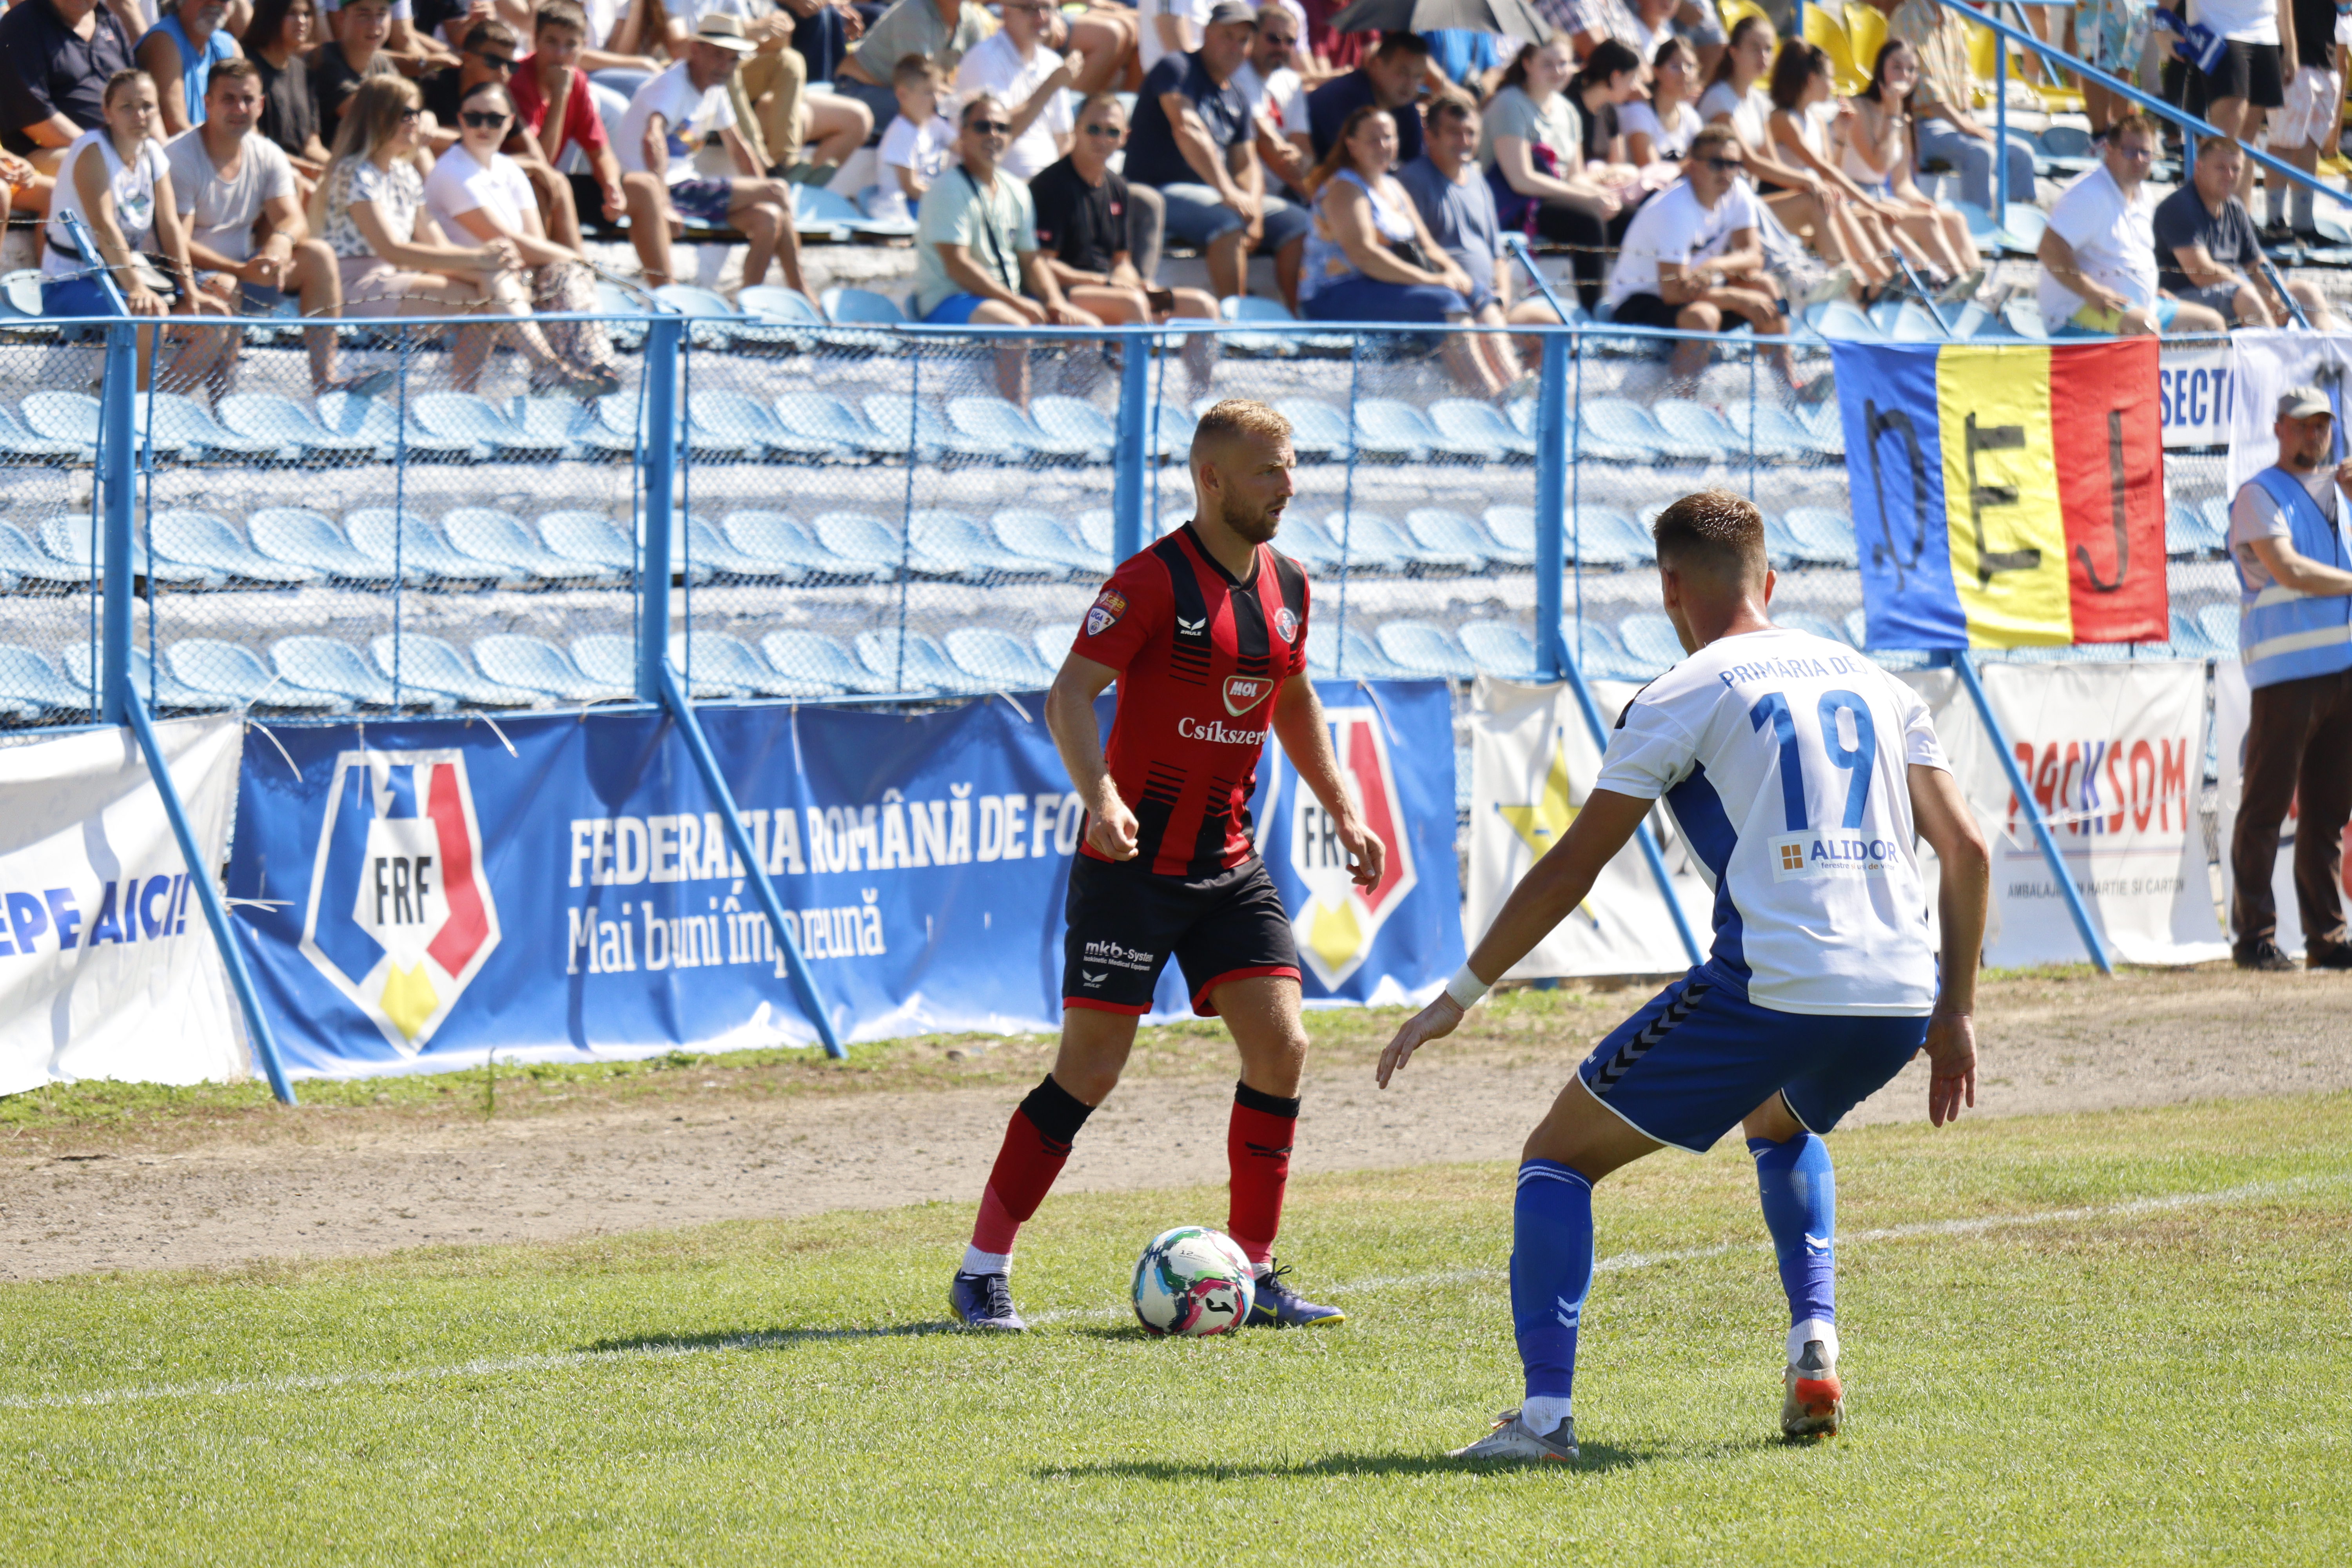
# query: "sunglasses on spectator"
482,119
1107,132
410,116
496,62
992,126
2138,152
1725,165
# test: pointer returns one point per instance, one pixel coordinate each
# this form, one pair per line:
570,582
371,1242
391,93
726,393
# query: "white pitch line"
556,1360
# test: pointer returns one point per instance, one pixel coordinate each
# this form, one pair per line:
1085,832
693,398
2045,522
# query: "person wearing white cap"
665,127
2294,637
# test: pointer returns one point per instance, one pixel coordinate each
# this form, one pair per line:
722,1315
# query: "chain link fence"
865,513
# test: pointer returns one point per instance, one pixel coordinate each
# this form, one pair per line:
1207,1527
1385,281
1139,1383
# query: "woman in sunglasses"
1876,155
479,193
394,260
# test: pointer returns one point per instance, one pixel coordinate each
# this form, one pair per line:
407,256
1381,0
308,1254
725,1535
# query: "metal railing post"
2019,788
1130,455
1551,496
2001,130
657,455
1347,502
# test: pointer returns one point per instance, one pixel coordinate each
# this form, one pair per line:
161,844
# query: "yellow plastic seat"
1828,34
1865,33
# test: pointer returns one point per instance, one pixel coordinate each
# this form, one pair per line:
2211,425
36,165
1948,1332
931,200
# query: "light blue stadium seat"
281,422
926,430
424,555
1514,530
1308,543
168,692
1318,433
2185,533
23,560
1386,428
710,318
565,422
863,308
927,666
721,660
628,335
1000,424
775,317
608,428
1822,537
200,539
334,666
1522,413
820,213
996,656
237,675
798,654
537,665
611,660
1777,431
1041,536
1080,426
1438,533
967,542
2023,313
305,539
2215,511
1471,425
1632,427
1604,536
502,539
72,416
1173,437
69,539
821,416
1052,642
2022,227
462,416
707,547
730,422
1424,649
591,538
1843,319
2068,149
1702,426
1650,638
2219,623
19,444
1817,625
1602,655
188,424
856,536
776,540
1372,543
431,665
1780,545
1363,660
32,683
1097,527
348,414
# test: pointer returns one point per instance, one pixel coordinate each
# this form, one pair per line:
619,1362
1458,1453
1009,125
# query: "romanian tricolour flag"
2006,497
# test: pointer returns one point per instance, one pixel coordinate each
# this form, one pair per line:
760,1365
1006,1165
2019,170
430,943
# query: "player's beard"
1259,526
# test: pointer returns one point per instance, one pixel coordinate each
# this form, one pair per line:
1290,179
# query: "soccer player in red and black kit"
1203,632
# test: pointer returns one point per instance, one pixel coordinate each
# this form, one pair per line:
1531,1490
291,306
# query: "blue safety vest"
2284,635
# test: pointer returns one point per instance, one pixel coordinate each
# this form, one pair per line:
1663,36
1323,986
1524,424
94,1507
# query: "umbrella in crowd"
1516,17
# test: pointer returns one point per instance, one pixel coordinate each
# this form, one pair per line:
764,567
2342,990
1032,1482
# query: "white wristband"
1465,988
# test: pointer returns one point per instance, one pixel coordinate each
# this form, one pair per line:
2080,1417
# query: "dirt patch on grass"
128,1179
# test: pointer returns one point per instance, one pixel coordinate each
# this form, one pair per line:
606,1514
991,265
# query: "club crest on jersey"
1285,624
1243,692
400,918
1109,606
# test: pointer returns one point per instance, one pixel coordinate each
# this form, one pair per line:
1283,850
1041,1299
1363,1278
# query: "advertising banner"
2193,397
2006,497
107,968
427,897
2114,756
1533,765
2263,364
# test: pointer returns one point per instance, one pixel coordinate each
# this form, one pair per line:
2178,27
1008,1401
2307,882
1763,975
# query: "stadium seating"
237,677
1079,426
1041,536
165,691
69,539
592,538
1420,648
1468,422
535,665
731,423
203,542
1500,647
997,658
1439,532
797,653
347,415
998,424
1650,639
819,417
1363,659
1822,537
32,687
288,426
773,538
334,666
20,444
928,433
501,539
423,556
926,667
1052,642
431,665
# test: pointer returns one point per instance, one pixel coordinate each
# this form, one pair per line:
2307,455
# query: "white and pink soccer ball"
1192,1281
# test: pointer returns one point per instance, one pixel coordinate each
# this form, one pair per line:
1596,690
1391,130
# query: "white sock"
2275,199
975,1261
2302,198
1819,1329
1543,1413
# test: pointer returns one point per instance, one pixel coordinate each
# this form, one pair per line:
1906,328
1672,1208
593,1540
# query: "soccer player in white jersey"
1800,774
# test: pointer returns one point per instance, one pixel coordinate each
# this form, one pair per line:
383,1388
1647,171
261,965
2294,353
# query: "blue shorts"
1362,298
74,296
954,310
1689,1066
707,200
1197,219
2087,322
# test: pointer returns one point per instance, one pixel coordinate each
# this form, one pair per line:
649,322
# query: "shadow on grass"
1597,1456
753,1339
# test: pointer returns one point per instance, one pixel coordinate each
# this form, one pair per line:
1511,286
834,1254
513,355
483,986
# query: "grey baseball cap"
2301,402
1231,11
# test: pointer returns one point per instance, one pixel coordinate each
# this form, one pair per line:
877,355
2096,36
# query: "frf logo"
1339,921
400,918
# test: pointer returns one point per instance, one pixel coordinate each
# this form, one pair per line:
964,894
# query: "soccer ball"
1192,1280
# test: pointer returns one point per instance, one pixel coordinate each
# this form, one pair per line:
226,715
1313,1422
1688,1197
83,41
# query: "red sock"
1257,1147
1037,1145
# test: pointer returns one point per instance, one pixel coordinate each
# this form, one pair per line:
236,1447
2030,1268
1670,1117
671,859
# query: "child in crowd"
917,147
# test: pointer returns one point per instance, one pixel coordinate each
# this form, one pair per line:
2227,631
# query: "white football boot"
1513,1439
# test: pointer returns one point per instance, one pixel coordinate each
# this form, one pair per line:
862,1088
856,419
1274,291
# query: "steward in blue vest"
2294,637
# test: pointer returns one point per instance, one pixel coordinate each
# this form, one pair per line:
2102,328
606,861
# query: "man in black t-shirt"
55,58
1082,232
1195,144
337,68
1390,80
2207,252
487,54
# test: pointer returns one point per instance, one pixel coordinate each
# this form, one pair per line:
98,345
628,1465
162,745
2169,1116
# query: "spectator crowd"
437,157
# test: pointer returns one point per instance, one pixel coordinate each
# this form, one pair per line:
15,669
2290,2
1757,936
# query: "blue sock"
1551,1273
1798,1190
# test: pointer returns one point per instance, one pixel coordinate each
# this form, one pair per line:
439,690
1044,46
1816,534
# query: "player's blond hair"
1240,416
1713,534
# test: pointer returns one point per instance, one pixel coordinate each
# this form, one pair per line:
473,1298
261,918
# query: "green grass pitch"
2119,1338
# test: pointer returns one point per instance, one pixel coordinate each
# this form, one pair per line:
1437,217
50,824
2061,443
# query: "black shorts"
588,203
1646,310
2250,71
1125,923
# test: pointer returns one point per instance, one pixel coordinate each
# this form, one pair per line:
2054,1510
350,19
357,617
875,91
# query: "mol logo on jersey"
1243,692
400,918
1337,925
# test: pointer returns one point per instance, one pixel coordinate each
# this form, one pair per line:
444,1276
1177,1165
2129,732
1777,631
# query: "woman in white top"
479,193
1660,129
1794,194
116,181
370,209
1876,154
1370,257
1855,232
1533,147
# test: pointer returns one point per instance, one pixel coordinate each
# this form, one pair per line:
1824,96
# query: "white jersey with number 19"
1784,758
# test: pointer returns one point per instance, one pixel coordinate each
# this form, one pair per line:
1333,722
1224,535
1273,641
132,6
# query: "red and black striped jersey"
1201,655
